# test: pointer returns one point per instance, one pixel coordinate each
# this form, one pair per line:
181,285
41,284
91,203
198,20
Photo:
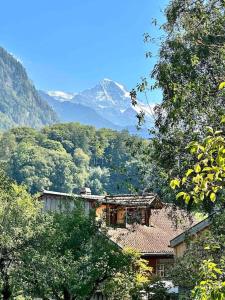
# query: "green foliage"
128,284
81,260
190,72
66,157
212,285
158,290
98,180
204,181
61,255
190,68
189,263
222,85
201,251
19,229
152,177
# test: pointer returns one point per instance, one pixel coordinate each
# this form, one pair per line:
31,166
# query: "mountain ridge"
20,103
108,99
68,111
105,105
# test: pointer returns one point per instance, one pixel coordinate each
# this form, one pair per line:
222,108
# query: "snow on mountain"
68,111
112,100
61,96
109,99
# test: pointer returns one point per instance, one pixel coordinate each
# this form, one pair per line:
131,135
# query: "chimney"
85,191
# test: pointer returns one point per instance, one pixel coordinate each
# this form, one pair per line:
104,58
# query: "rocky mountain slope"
20,103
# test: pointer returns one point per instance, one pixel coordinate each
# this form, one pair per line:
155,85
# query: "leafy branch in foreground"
212,285
204,180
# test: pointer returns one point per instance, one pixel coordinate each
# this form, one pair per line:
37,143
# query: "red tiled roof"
154,239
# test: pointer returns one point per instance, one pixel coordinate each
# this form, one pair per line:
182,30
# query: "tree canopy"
66,157
61,255
19,229
189,69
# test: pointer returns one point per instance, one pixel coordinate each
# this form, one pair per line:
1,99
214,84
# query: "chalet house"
138,221
179,243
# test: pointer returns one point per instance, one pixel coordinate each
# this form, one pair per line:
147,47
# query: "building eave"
191,231
157,254
70,195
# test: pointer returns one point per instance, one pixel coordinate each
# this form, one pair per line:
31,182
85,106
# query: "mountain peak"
106,79
110,84
106,104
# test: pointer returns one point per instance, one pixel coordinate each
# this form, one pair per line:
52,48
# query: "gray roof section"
149,199
145,200
45,192
83,196
191,231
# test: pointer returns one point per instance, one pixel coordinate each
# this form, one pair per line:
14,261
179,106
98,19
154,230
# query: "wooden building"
121,210
179,243
141,222
152,240
56,201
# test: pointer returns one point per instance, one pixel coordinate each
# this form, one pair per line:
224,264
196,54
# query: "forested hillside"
20,103
66,157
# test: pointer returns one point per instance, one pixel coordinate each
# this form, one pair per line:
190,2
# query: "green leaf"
215,189
209,129
193,149
206,169
184,179
213,197
189,171
181,194
200,156
196,189
202,196
222,85
197,168
218,132
207,247
187,199
210,177
174,183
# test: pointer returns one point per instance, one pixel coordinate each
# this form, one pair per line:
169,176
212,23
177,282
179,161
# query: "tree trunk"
6,290
66,295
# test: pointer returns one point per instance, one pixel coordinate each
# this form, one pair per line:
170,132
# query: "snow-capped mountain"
106,94
108,101
112,101
68,111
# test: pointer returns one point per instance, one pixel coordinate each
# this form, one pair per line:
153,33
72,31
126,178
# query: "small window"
134,215
160,270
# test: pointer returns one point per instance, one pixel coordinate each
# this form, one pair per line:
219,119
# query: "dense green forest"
66,157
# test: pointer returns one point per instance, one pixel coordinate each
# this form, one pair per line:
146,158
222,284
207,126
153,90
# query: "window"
134,215
160,270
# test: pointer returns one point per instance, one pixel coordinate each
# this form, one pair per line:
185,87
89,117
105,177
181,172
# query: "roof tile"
155,238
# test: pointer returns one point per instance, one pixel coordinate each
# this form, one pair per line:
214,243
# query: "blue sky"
72,44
